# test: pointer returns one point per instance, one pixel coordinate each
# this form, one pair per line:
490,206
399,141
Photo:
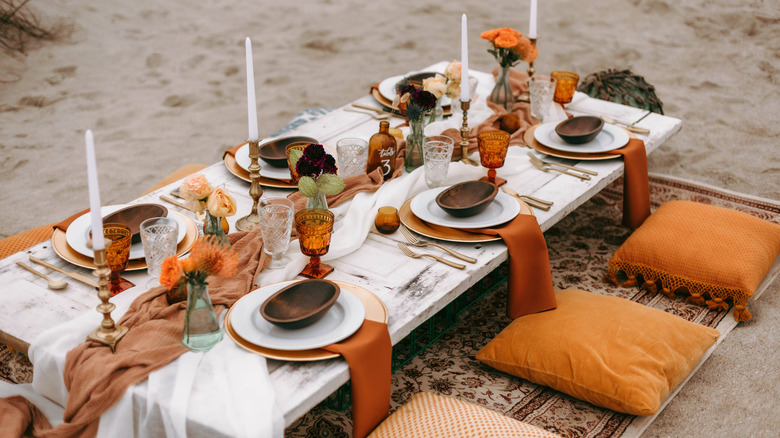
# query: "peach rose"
506,40
221,204
436,85
452,72
195,187
489,35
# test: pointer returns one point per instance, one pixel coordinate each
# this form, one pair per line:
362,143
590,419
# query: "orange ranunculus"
221,204
489,35
188,265
212,257
510,31
170,277
526,50
505,40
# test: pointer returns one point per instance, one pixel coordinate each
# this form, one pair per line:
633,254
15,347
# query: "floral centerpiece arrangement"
509,48
318,175
216,204
209,256
419,102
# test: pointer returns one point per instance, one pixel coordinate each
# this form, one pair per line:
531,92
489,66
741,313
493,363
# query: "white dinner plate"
503,209
77,234
610,138
342,320
266,170
387,89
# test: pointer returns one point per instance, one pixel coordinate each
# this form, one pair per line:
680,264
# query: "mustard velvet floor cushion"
428,415
712,253
606,350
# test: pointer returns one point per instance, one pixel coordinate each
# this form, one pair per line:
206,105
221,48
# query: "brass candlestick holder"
464,135
108,333
252,220
531,70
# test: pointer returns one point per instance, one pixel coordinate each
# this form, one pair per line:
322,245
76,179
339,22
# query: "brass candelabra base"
531,69
252,220
108,333
464,135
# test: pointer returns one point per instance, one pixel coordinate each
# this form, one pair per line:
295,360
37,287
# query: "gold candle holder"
464,135
252,220
108,333
531,70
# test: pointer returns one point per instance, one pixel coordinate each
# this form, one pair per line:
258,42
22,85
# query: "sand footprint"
175,101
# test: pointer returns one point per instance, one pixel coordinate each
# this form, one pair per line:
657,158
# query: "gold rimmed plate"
388,104
414,223
375,311
233,167
531,141
59,244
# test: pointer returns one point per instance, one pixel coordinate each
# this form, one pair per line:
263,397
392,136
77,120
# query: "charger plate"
59,244
233,167
375,311
388,104
531,141
409,220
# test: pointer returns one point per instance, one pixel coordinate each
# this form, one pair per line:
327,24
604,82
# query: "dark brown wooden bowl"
133,215
580,129
300,304
274,153
467,199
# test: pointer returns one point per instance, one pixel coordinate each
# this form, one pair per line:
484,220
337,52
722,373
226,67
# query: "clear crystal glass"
437,153
541,90
276,219
159,236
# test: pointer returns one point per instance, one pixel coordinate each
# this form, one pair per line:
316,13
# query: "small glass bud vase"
213,225
201,328
317,201
414,141
502,91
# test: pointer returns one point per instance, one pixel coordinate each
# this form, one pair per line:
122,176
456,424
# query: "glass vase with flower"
317,174
509,48
210,205
209,256
417,103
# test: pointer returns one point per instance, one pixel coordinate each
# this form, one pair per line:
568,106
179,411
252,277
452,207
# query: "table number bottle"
382,149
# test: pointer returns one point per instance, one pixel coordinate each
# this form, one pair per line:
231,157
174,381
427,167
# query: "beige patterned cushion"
436,416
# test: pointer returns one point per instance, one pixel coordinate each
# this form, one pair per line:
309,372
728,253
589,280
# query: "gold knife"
74,275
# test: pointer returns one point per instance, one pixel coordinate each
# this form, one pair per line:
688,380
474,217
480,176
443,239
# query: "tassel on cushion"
741,313
717,304
630,282
611,278
668,292
696,299
650,286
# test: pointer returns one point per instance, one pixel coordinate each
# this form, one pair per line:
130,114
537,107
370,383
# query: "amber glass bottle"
381,151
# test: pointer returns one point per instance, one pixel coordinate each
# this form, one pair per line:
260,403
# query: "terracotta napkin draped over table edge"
96,378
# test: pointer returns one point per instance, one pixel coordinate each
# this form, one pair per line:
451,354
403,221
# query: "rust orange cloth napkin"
368,353
530,278
636,184
64,224
232,151
96,378
519,83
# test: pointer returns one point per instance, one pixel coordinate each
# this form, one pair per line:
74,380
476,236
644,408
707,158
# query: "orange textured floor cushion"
606,350
428,415
713,253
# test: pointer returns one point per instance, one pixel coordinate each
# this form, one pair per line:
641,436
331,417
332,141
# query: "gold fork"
414,255
420,243
546,167
533,202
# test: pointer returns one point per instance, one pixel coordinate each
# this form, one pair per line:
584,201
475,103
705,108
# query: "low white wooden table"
412,289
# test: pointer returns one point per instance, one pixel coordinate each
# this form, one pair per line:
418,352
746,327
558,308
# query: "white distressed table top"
412,289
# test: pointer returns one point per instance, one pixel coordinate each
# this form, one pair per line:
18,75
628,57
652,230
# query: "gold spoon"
53,284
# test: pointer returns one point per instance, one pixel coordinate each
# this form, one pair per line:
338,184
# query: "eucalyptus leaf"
295,155
307,186
330,184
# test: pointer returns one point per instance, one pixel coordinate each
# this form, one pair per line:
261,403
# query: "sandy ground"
162,84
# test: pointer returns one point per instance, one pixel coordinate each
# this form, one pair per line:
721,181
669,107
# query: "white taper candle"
94,195
250,92
532,21
464,60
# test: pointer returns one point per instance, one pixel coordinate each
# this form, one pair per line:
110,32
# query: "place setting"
274,168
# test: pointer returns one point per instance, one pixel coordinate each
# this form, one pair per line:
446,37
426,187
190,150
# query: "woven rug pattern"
579,247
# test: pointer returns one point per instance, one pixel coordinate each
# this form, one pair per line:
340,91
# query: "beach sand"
163,84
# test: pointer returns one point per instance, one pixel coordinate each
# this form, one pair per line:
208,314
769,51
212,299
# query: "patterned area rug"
580,247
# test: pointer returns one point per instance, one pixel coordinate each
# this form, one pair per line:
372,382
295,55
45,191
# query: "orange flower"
212,257
505,40
489,35
170,277
526,50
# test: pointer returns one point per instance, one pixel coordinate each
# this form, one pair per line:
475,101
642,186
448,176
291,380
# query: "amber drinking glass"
565,85
314,227
298,146
117,254
493,146
387,220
